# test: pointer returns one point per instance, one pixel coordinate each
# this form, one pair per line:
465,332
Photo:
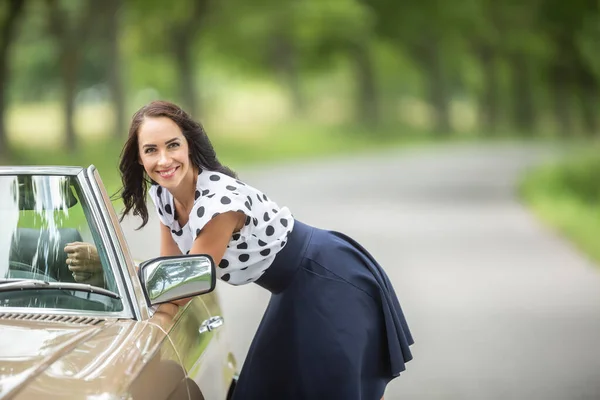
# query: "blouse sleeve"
162,206
233,198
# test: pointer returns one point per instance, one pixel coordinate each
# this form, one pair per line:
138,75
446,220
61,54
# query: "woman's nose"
163,158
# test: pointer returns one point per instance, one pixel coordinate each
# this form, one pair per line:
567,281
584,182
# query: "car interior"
42,252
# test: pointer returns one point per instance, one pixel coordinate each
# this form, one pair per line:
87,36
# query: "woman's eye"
148,151
173,145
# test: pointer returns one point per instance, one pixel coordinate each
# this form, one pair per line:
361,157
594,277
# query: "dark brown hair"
134,178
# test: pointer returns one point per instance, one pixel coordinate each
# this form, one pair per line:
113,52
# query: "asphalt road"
500,306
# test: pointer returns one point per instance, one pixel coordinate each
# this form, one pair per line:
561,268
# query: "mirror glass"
171,278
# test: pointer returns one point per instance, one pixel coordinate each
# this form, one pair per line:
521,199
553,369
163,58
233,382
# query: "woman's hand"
84,263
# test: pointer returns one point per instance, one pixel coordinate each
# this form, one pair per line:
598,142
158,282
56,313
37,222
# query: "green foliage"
567,197
578,177
415,49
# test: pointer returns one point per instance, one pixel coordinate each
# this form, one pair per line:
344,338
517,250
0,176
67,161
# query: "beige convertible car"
122,339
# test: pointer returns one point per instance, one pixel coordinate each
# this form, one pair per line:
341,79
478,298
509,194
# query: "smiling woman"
333,328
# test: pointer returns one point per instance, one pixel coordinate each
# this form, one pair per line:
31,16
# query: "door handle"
211,324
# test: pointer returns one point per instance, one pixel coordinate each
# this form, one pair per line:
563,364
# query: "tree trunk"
589,94
185,69
427,54
488,103
70,65
284,59
560,78
524,116
367,101
183,38
115,79
70,40
7,30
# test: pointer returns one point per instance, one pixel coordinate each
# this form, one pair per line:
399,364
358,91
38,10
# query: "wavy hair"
133,176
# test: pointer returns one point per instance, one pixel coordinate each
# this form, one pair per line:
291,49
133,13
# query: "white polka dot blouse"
251,250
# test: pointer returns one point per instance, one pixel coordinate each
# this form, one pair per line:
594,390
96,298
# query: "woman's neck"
184,193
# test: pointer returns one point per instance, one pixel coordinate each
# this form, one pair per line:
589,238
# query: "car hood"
93,358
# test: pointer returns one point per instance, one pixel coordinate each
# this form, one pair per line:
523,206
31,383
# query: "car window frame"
118,243
97,222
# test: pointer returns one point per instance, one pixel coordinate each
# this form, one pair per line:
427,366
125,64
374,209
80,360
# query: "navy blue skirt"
333,328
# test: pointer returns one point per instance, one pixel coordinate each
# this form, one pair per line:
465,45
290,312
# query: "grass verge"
566,197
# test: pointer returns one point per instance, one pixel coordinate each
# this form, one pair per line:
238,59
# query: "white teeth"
167,173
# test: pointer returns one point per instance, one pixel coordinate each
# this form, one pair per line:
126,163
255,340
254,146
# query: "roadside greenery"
566,196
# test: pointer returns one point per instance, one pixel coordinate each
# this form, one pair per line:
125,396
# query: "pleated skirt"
333,328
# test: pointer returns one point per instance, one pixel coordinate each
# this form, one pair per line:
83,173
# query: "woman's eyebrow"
167,142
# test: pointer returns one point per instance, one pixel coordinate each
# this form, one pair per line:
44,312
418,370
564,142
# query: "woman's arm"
212,240
216,234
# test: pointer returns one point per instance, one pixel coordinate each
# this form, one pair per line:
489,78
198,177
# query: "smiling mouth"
168,173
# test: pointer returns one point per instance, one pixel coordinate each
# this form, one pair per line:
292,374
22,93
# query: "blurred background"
292,79
454,106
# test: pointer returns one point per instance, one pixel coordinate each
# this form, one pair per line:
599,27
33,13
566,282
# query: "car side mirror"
166,279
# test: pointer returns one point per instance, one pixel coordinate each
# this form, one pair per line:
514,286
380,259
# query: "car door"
195,337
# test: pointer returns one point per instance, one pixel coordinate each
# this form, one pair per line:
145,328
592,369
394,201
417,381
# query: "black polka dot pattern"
250,250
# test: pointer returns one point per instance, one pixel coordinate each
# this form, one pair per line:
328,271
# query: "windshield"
47,234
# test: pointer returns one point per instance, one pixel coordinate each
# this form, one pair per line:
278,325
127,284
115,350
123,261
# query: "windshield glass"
47,233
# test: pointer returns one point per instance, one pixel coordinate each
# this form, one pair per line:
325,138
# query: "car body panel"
56,360
204,364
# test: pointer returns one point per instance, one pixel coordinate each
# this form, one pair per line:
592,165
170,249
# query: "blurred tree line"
523,65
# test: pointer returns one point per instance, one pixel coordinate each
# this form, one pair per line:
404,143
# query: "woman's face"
164,151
